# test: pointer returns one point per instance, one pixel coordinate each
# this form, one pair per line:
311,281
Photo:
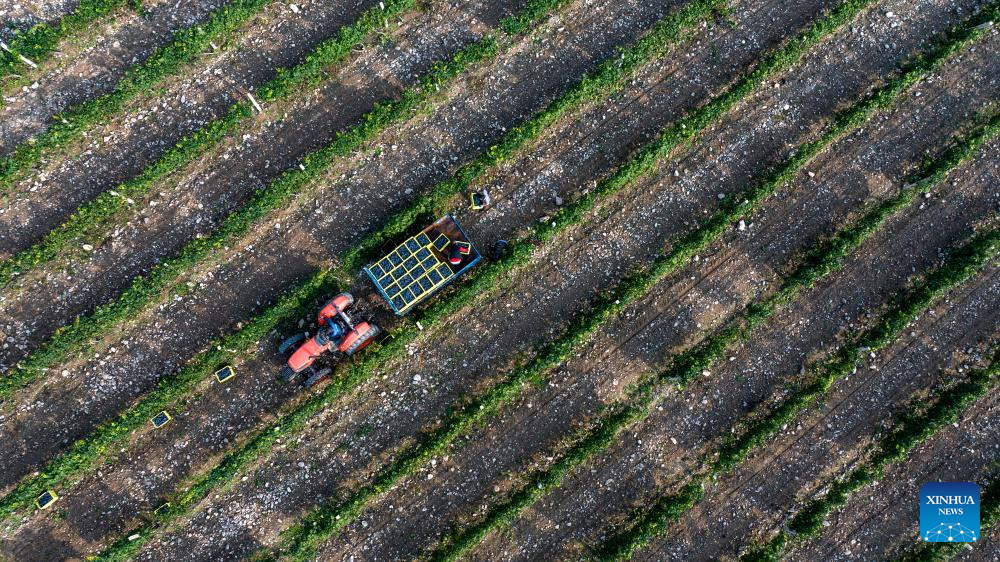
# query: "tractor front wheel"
287,374
343,301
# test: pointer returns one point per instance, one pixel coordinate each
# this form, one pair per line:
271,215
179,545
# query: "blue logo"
949,512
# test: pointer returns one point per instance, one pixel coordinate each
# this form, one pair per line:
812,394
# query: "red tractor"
336,332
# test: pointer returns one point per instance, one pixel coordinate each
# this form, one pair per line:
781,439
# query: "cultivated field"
749,304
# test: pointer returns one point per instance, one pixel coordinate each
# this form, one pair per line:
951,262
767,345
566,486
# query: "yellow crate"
46,500
161,419
225,373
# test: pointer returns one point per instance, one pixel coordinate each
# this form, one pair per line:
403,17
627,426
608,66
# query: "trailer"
423,264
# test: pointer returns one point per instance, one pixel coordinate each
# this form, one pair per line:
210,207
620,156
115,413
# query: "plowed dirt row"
213,321
201,195
298,485
703,410
151,124
423,508
883,520
825,441
127,40
265,376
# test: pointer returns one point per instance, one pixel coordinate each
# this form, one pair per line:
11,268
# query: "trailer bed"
418,267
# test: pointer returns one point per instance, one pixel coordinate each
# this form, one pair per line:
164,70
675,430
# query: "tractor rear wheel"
366,334
287,346
317,377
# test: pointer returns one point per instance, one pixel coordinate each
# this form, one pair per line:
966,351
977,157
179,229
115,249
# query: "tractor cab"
332,332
